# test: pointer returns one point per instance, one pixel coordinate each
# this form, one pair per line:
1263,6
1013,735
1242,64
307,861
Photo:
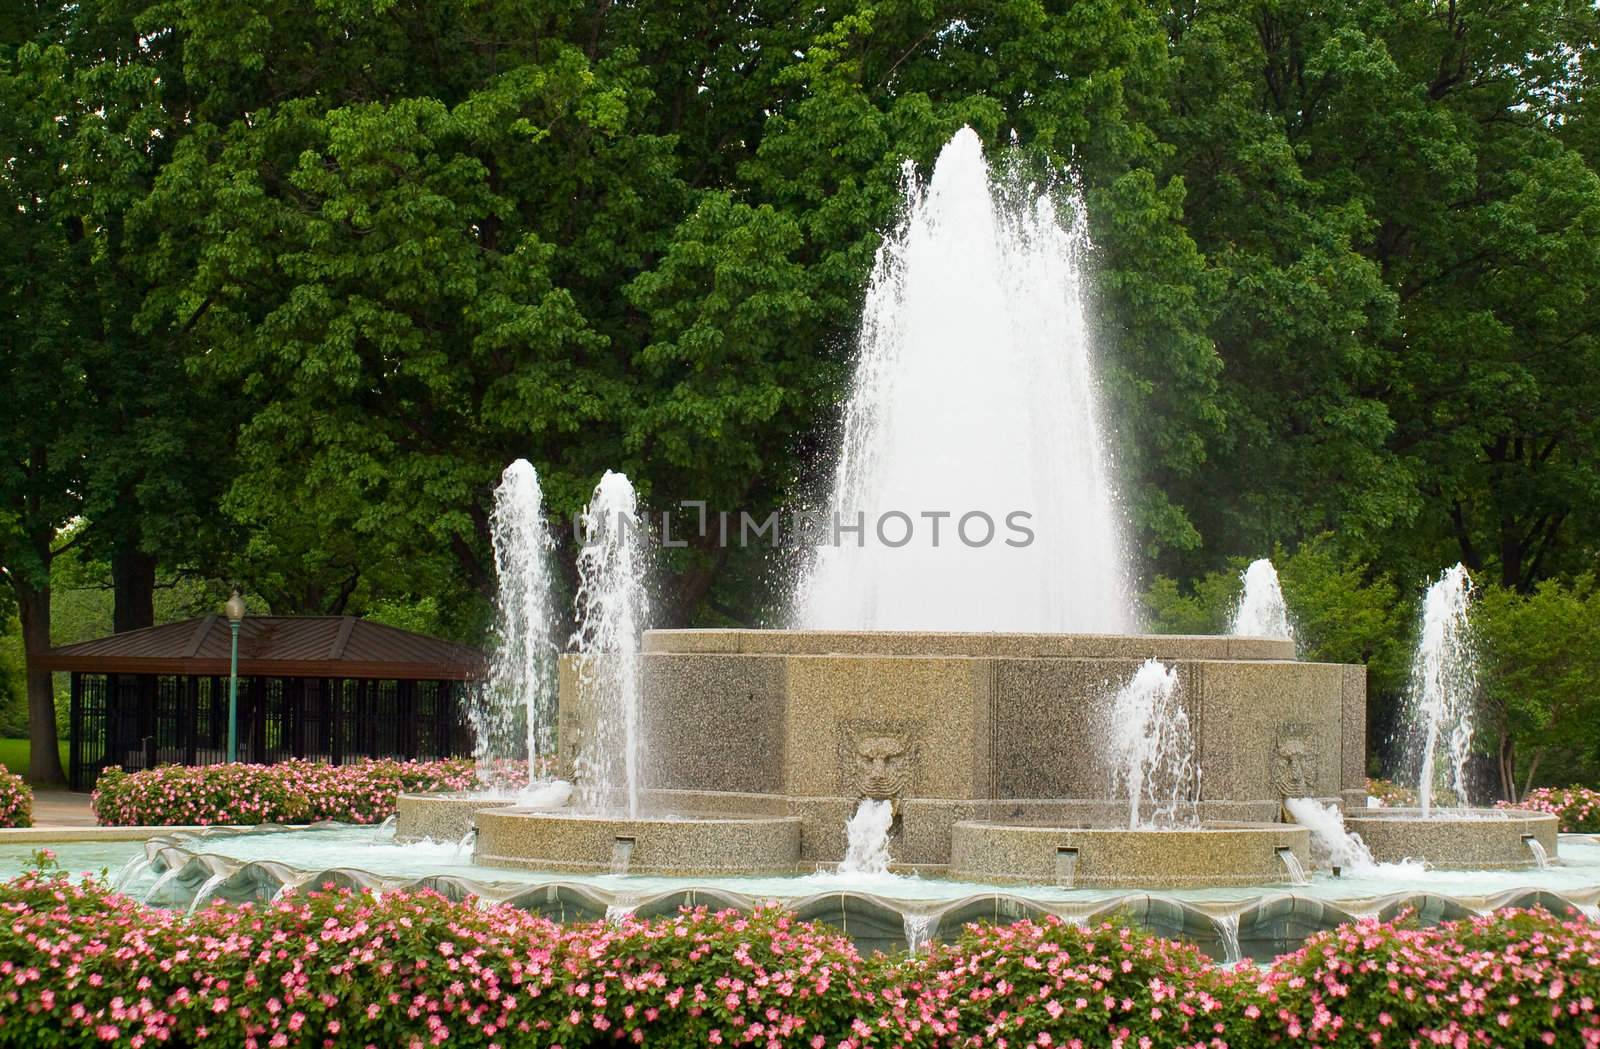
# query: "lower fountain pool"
373,851
879,910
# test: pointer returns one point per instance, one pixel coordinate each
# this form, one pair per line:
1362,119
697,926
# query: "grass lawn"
14,755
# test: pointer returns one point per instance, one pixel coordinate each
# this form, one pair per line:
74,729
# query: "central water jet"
974,400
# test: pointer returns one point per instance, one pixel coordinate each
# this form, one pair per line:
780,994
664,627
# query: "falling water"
160,883
621,855
868,832
1153,749
1228,932
206,890
1331,844
974,398
1541,858
1292,865
1262,611
612,611
514,714
1438,715
919,930
131,872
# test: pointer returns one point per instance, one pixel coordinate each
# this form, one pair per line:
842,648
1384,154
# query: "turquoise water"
373,850
77,857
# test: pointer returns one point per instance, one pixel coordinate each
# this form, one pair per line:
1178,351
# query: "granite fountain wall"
957,727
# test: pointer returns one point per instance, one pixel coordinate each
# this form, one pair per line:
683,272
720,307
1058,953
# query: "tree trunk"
133,580
1533,768
44,755
1507,761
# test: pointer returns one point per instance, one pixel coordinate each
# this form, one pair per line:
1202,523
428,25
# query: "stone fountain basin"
441,817
1211,854
659,845
1456,839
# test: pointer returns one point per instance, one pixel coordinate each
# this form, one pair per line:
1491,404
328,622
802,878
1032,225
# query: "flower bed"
289,792
1577,807
1390,794
16,801
80,965
1514,978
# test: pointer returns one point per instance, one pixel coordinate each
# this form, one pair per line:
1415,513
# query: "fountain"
972,438
513,712
937,694
868,832
612,611
933,711
934,674
521,684
1262,612
613,826
1332,846
1155,776
1438,724
1153,747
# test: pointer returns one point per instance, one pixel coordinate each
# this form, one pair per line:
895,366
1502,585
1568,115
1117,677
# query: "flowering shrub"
1051,983
289,792
80,965
16,801
1577,807
1390,794
1514,978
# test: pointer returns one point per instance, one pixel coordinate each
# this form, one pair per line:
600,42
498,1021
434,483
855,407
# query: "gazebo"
327,688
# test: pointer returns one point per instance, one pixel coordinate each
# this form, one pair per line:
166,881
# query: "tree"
44,249
1444,124
1539,659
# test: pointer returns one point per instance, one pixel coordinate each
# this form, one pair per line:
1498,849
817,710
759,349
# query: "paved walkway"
61,808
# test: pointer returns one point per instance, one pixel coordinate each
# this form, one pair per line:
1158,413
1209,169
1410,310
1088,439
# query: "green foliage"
284,287
13,683
1203,607
1539,661
1347,611
1343,610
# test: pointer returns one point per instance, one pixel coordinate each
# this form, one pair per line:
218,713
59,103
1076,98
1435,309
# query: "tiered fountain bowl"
1177,857
1458,838
442,817
654,845
758,746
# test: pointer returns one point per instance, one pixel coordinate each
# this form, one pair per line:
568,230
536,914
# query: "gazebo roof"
273,646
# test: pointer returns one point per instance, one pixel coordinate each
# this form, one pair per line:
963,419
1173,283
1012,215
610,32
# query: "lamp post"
235,611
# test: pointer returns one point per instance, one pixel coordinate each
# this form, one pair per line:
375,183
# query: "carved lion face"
883,766
1295,771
